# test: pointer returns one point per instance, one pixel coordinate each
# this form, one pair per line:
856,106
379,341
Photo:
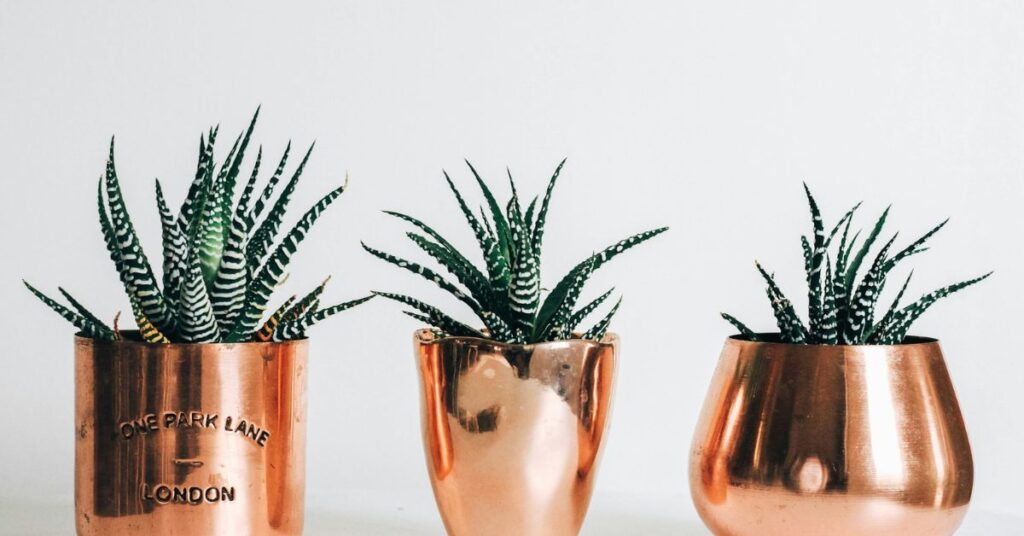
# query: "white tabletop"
412,513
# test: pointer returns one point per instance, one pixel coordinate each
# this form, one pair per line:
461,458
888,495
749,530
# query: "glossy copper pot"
802,440
189,439
513,433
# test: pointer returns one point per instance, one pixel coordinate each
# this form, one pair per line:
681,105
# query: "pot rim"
427,336
913,341
138,343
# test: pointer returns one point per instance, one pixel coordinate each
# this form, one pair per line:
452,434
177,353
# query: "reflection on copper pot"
513,433
802,440
196,439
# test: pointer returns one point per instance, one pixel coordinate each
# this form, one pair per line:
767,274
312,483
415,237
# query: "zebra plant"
841,309
506,294
220,262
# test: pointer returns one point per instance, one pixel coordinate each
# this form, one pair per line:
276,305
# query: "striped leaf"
897,329
296,329
524,291
561,326
601,328
542,213
503,231
745,332
791,328
86,327
853,266
864,300
200,184
501,330
228,289
266,332
467,274
232,174
265,234
198,324
581,314
427,274
137,272
175,250
814,259
557,294
916,247
147,330
829,326
268,190
436,317
270,274
891,312
497,262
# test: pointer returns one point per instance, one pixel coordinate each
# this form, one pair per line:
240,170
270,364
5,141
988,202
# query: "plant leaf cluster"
221,259
842,309
506,294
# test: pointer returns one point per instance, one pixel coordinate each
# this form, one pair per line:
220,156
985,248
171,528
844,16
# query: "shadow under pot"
802,440
196,439
513,433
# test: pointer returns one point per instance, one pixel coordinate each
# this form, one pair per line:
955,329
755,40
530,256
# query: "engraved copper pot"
513,433
802,440
189,439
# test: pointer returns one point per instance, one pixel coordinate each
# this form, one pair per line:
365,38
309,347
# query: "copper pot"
801,440
189,439
513,433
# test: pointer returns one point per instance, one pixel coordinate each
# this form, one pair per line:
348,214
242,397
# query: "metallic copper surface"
188,439
831,440
512,433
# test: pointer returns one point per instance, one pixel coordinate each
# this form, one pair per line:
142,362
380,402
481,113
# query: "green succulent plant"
506,294
841,310
220,262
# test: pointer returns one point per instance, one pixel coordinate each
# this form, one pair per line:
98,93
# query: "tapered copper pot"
189,439
801,440
513,433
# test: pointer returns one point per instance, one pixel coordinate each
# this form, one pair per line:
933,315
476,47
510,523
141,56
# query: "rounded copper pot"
513,433
189,439
801,440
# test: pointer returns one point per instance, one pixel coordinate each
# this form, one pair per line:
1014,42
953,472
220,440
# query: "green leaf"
745,332
854,266
599,330
296,329
542,214
427,274
864,300
896,331
791,328
264,236
558,293
578,316
198,324
437,318
496,260
86,326
561,327
270,274
501,225
175,250
137,272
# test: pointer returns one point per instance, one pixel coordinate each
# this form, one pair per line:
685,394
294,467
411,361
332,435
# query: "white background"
704,116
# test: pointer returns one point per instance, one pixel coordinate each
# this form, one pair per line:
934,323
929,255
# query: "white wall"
704,116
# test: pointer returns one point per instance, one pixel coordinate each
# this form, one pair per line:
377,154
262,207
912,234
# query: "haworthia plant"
506,294
220,265
841,310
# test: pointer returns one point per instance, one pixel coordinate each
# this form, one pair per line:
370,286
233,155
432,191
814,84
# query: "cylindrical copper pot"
513,433
189,439
802,440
